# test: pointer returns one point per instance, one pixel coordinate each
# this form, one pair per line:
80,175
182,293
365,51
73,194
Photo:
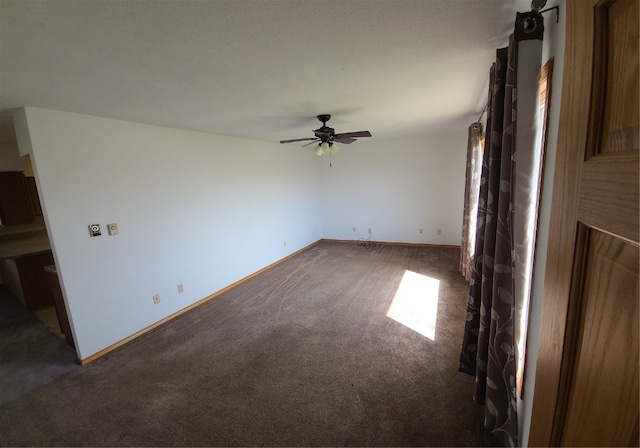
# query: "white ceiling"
259,69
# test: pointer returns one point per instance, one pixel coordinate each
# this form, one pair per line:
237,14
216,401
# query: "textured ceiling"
260,69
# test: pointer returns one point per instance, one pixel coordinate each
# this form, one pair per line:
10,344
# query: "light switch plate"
113,229
94,230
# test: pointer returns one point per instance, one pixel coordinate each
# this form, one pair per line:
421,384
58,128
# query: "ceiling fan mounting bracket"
324,118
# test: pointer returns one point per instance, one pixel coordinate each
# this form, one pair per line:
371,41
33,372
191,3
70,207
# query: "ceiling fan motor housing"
325,133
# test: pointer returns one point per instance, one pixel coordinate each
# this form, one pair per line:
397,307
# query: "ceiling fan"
327,138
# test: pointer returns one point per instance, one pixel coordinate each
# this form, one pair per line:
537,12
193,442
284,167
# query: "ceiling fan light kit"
326,148
327,138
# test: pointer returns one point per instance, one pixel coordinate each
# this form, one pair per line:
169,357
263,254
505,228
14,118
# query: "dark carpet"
300,355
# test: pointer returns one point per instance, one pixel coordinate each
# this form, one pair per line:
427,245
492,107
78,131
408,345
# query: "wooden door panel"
572,137
609,198
618,28
601,407
586,389
599,411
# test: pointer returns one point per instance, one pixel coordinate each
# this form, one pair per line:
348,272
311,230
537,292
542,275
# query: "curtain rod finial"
537,5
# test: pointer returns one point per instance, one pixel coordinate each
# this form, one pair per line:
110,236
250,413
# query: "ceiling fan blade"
345,140
315,140
297,140
354,134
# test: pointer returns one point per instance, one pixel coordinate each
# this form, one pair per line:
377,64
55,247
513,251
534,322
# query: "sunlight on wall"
415,304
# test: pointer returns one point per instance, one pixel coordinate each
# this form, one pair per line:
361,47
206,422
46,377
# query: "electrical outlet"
156,298
113,229
369,230
285,243
180,288
439,231
354,228
420,230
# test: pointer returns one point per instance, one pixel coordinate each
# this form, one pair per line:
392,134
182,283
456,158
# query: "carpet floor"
303,354
30,354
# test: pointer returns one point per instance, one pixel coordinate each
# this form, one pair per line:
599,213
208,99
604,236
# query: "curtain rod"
557,9
536,9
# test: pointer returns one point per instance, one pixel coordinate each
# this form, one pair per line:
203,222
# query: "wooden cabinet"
26,279
28,272
32,192
15,204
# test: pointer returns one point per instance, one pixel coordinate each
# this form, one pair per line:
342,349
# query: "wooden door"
586,387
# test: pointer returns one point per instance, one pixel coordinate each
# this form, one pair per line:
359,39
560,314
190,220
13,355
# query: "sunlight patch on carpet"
415,304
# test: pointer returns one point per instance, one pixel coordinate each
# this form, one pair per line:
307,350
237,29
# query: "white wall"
395,187
553,46
193,208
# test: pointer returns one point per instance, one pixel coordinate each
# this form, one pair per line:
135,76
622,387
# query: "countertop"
20,244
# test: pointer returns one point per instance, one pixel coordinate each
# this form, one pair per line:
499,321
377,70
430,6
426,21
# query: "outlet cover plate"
113,229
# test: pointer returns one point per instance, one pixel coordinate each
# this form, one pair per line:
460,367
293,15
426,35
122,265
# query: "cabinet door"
34,280
15,205
32,191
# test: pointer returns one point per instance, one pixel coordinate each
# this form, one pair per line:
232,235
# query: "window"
531,225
